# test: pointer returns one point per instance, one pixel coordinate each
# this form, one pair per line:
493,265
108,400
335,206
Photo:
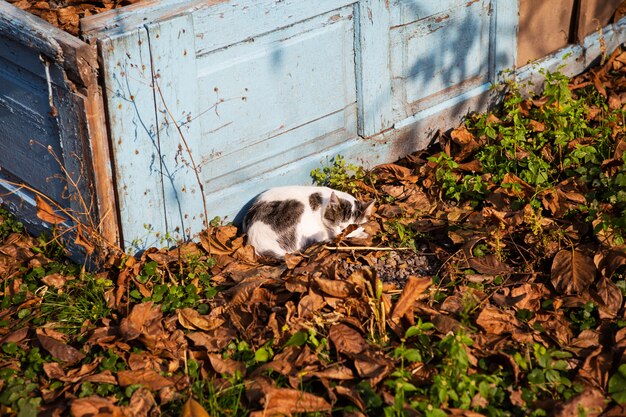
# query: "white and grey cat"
288,219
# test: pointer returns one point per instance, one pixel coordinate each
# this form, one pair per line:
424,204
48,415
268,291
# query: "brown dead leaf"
142,404
597,368
414,288
55,280
190,319
490,265
514,186
609,298
347,340
334,288
83,241
53,370
144,318
591,400
146,377
395,171
15,336
287,401
213,341
497,321
462,136
60,350
46,213
193,408
372,366
95,406
220,240
226,366
572,272
537,126
608,261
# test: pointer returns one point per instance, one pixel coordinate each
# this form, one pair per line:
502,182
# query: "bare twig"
193,162
374,248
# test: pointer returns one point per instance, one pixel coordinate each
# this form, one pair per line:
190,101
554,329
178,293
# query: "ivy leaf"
617,385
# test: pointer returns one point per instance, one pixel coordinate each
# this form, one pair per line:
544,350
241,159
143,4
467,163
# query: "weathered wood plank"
503,41
52,104
373,70
295,82
437,52
222,25
178,136
128,18
573,59
134,135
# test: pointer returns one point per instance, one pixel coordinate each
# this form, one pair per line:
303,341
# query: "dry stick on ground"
374,248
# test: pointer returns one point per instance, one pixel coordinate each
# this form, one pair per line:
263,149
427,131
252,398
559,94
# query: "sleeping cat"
288,219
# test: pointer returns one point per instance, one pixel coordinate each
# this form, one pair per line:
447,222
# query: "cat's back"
301,193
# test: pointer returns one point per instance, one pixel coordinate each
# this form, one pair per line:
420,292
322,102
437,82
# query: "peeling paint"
53,109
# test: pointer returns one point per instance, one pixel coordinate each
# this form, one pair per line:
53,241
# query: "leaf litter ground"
493,286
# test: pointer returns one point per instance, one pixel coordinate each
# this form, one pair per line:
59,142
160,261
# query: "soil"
66,14
395,267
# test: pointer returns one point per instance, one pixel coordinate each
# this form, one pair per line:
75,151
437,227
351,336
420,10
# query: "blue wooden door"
237,97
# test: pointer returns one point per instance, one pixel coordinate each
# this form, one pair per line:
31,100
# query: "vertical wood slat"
132,128
176,82
505,21
144,73
375,112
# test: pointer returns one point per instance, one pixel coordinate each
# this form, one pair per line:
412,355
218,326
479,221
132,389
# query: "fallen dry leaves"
66,14
341,327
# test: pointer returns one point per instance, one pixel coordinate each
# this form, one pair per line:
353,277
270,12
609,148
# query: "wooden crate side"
594,15
544,27
52,106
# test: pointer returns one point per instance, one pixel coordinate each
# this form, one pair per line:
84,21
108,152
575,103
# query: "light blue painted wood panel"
503,39
275,85
178,121
439,55
221,25
243,110
373,72
133,134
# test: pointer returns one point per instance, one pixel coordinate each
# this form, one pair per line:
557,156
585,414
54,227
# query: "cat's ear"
369,208
332,208
333,200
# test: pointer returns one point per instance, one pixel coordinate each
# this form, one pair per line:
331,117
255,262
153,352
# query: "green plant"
401,235
584,317
341,175
617,385
9,224
77,303
530,147
187,289
547,374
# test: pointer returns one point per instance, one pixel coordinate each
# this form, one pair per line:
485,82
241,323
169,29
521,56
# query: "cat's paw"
358,233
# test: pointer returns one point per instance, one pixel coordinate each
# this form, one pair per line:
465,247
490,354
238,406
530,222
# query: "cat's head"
340,213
